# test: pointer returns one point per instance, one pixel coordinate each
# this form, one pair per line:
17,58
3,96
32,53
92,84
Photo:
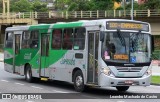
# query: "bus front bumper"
113,81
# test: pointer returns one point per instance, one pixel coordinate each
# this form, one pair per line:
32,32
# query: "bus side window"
25,39
68,39
56,38
79,38
34,39
9,40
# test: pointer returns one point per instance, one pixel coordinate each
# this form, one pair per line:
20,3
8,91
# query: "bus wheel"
78,81
28,74
122,88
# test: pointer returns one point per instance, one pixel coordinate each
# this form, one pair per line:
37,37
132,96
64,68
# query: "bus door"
44,55
16,58
9,52
93,45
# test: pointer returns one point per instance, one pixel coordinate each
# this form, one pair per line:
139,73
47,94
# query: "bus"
98,53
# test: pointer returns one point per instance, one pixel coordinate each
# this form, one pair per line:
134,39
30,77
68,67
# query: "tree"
60,4
103,4
21,6
136,6
38,6
84,5
117,0
1,7
152,4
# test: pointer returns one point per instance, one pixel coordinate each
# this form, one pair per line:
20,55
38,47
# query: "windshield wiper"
134,38
123,42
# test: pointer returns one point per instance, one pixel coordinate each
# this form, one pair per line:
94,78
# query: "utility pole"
6,10
132,10
124,7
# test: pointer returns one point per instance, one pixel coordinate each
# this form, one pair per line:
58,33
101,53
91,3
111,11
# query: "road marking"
4,80
60,91
19,83
29,101
36,87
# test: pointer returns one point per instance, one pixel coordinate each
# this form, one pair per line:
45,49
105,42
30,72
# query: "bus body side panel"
57,65
8,60
31,57
75,59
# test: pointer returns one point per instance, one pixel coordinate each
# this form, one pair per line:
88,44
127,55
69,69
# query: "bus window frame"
6,37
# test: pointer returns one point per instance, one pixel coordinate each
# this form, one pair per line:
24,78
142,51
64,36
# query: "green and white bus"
100,53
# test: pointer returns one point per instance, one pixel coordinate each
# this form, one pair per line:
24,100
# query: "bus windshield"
126,47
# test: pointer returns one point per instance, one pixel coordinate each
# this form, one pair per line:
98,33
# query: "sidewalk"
156,70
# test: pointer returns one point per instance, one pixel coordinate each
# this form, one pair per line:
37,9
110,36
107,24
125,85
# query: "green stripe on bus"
68,25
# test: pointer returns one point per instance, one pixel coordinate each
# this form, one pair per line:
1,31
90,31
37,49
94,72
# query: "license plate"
129,82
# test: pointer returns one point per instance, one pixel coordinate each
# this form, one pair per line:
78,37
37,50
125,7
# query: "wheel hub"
79,81
28,74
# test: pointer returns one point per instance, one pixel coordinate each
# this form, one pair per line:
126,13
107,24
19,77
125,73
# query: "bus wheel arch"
78,79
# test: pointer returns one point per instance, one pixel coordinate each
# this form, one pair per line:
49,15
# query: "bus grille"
129,69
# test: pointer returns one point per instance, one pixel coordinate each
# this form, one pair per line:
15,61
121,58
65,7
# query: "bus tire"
78,81
28,74
122,88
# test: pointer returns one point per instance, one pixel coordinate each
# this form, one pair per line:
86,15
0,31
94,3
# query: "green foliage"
38,6
102,4
120,8
76,5
152,4
73,7
86,5
118,0
136,6
1,6
21,6
26,6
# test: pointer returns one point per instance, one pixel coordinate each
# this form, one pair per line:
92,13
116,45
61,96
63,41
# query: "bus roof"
67,24
17,28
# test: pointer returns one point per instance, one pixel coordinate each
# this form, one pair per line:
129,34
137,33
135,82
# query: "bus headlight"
106,71
149,72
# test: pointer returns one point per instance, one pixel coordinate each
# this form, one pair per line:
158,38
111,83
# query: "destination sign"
127,26
121,57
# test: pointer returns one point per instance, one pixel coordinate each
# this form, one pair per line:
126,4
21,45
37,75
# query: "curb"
155,84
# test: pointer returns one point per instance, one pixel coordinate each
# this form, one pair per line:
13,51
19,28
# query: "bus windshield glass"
126,47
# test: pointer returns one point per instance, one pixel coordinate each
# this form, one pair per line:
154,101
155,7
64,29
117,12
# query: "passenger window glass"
9,40
56,39
68,39
79,38
34,39
25,39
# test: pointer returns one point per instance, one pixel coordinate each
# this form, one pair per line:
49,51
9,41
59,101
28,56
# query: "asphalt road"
10,83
